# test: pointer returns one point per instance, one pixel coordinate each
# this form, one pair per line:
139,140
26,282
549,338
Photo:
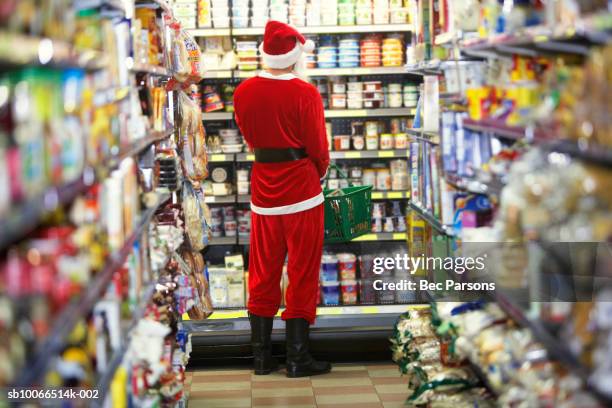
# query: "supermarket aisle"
350,385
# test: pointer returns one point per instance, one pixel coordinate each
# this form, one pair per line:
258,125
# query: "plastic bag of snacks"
203,307
192,139
186,56
197,216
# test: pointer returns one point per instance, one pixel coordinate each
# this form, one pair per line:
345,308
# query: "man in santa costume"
281,117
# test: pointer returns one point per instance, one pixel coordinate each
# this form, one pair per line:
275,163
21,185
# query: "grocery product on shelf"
91,158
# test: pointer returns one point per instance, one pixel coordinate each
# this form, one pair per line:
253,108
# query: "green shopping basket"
347,211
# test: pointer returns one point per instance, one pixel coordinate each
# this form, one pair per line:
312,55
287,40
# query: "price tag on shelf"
218,158
399,236
366,237
393,194
250,157
352,155
377,196
388,153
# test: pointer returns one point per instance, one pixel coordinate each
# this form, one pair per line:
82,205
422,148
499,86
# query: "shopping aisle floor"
348,385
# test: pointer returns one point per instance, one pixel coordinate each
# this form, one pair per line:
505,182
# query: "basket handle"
340,172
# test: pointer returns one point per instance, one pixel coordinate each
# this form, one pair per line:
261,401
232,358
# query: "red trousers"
300,235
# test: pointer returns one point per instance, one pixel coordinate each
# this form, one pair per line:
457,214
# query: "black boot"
299,361
261,332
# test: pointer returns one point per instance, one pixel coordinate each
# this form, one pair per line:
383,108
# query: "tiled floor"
348,385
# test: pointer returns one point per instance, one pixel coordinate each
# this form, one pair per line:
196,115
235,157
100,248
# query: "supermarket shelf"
355,71
209,116
222,241
40,51
72,313
484,379
210,32
424,68
246,74
378,28
150,69
244,198
220,199
19,222
221,157
117,358
110,96
532,41
314,72
493,187
368,154
496,127
330,113
381,236
24,219
362,113
218,74
597,155
390,195
245,157
321,311
429,137
431,220
553,345
141,144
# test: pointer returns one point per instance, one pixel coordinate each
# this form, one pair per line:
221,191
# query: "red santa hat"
283,45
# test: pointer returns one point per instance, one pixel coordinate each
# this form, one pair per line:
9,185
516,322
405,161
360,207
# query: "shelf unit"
21,221
432,220
423,136
235,313
597,155
539,40
257,31
40,51
329,113
228,199
150,69
493,187
221,157
381,236
368,154
314,72
554,347
376,195
65,322
105,380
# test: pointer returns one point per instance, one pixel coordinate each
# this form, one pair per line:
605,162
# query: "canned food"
372,142
386,141
371,128
383,180
358,142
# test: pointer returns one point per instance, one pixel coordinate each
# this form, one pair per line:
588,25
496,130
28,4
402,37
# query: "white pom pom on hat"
283,45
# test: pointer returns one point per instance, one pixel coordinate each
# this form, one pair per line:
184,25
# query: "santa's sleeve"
315,134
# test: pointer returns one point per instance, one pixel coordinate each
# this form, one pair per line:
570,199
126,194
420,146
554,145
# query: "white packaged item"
431,104
242,187
219,287
240,22
221,22
219,12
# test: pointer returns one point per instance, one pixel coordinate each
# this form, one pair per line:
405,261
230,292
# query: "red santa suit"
281,112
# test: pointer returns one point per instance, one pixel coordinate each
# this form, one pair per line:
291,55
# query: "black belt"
279,155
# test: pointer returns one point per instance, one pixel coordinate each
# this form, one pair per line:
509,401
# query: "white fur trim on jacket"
283,60
291,208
